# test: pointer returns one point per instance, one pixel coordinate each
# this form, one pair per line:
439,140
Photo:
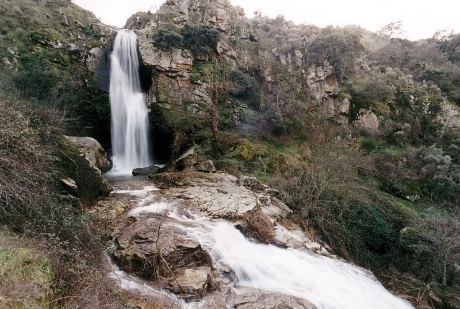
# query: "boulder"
92,151
206,167
150,170
256,299
192,281
259,226
156,249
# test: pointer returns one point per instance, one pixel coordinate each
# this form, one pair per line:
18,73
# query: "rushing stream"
327,282
130,124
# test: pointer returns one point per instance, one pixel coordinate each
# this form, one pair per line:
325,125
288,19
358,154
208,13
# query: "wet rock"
222,196
92,151
157,249
150,170
259,226
192,281
206,167
257,299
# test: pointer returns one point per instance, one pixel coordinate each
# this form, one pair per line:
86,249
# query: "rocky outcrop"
156,249
367,121
92,151
221,196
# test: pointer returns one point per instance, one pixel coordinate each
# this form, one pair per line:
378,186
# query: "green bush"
339,48
367,144
167,39
201,41
245,88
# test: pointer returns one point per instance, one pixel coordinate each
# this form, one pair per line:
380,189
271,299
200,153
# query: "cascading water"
130,124
327,282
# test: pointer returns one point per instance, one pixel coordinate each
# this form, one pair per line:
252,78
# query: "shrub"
367,144
167,39
245,88
339,48
201,41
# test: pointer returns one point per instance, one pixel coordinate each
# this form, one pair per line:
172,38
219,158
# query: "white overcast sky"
421,18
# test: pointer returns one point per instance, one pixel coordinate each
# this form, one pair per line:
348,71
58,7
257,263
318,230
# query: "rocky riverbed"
204,240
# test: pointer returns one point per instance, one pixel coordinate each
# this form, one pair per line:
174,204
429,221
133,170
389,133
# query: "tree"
392,30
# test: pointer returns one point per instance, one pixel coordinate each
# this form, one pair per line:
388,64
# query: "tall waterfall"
130,124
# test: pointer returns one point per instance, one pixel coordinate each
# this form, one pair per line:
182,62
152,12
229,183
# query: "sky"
420,18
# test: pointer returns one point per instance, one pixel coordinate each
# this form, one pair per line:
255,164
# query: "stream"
325,281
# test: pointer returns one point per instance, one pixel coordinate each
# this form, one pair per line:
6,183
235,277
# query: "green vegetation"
26,277
47,91
44,68
201,41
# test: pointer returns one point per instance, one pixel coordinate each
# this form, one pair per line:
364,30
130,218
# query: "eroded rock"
92,151
157,249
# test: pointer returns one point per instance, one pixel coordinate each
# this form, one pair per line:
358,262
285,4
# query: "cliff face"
271,56
286,67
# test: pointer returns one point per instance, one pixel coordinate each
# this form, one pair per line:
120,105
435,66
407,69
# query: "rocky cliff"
207,62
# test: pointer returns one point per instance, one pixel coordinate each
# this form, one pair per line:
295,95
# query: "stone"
192,280
145,171
222,196
259,226
256,299
156,249
92,151
206,167
70,184
367,121
74,48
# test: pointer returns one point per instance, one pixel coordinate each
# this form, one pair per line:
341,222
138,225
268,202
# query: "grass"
26,277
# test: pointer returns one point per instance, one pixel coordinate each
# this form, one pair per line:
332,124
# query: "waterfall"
130,124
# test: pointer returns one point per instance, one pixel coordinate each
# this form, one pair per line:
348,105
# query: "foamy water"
327,282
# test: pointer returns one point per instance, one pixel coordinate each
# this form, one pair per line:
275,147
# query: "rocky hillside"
48,56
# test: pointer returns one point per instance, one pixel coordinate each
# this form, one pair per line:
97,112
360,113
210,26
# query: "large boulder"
157,249
92,151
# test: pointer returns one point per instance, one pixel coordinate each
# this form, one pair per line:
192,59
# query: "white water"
326,282
130,124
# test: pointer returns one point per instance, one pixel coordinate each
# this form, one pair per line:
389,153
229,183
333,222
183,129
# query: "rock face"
178,88
367,121
92,151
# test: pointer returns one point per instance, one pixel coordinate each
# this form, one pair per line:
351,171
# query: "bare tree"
392,30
